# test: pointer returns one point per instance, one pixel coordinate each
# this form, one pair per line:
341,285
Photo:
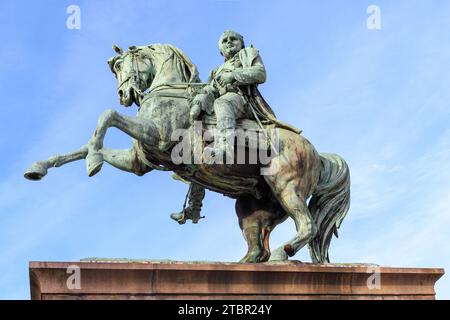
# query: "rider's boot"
192,212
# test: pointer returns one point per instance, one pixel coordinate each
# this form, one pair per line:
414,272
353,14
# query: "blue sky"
379,98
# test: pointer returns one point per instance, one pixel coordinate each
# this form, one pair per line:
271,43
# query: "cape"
265,112
262,109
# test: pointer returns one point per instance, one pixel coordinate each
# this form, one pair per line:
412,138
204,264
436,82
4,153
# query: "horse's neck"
168,69
163,78
164,102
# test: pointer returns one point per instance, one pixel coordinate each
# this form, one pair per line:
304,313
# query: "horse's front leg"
143,130
39,169
126,160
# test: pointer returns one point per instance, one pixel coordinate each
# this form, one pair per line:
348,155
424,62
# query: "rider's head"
230,43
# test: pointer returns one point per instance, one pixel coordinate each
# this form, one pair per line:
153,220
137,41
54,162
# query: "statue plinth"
203,280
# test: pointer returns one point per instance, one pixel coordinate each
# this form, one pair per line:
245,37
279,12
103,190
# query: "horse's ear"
117,49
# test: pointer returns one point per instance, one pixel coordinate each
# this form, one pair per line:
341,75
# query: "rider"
228,85
224,95
231,94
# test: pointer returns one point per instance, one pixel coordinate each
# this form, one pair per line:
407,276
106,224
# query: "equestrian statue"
221,136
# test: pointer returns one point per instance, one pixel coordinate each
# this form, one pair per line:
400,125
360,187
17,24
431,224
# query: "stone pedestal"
185,280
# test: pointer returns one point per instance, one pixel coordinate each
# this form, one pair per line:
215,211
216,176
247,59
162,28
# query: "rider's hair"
230,32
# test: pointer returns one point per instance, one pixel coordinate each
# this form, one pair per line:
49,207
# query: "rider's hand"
195,112
200,100
226,78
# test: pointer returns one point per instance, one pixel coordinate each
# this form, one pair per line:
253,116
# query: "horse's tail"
329,204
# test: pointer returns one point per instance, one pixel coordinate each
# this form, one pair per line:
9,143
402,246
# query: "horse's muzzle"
126,97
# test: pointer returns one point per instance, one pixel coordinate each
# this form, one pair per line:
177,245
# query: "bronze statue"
164,84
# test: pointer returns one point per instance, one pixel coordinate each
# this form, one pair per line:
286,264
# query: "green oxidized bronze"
164,84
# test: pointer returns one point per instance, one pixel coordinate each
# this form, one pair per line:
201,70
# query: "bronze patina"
311,188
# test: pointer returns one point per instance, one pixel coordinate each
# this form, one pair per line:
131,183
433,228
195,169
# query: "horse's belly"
230,180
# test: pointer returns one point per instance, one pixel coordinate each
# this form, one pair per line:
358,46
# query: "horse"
311,188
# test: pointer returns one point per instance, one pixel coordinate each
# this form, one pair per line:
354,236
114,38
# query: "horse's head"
133,70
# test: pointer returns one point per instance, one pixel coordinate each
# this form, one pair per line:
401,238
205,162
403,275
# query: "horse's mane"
188,69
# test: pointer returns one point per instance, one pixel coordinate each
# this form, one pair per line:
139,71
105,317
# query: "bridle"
133,76
135,81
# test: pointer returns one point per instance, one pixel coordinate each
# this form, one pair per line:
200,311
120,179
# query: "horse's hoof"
251,257
35,172
278,255
94,162
245,259
265,256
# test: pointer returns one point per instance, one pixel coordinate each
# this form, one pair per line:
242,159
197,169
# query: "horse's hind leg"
295,205
257,218
297,174
251,228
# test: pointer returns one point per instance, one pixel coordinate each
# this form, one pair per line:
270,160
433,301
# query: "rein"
159,91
